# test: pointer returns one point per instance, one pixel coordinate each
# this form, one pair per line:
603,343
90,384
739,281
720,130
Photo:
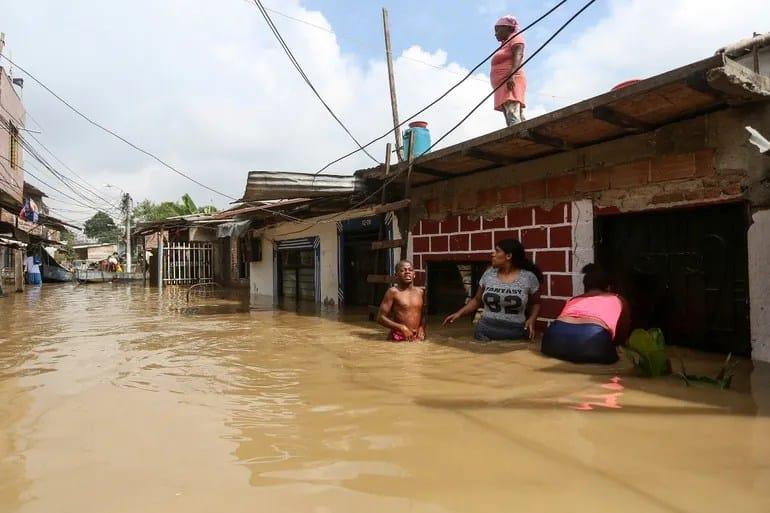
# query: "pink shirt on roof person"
511,87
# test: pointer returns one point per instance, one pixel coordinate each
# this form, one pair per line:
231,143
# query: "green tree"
102,228
147,210
67,252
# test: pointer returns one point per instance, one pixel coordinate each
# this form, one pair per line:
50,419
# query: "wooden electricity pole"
391,82
18,263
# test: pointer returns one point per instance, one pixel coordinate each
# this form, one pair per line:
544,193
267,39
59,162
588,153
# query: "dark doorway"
360,261
684,271
451,284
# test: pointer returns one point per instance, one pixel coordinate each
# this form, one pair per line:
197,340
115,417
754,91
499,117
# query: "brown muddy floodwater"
115,400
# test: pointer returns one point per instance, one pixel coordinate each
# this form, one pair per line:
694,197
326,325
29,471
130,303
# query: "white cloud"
211,92
208,89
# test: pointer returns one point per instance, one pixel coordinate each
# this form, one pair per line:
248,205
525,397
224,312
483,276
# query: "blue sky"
464,29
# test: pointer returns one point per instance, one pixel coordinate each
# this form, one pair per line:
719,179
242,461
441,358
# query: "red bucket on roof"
625,84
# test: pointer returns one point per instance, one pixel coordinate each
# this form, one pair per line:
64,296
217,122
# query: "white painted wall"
582,240
202,234
325,228
759,285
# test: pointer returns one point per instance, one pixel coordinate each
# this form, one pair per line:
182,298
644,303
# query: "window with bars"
15,156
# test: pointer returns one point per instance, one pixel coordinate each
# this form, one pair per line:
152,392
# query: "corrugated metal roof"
271,185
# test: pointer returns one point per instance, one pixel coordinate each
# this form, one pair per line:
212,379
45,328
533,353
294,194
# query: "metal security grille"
188,263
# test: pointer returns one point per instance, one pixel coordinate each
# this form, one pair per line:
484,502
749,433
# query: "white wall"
759,285
325,227
261,273
582,240
202,234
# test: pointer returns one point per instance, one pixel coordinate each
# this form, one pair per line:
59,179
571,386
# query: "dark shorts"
495,329
579,343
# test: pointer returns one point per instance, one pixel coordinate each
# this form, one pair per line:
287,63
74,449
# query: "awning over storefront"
234,229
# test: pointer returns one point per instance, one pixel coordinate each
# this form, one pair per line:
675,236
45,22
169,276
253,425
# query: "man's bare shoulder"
392,291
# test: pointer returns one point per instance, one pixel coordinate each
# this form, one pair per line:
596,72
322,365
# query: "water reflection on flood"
115,399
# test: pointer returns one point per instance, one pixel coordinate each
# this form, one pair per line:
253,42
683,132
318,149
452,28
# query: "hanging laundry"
29,212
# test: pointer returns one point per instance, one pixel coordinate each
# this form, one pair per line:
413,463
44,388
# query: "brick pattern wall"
675,179
546,235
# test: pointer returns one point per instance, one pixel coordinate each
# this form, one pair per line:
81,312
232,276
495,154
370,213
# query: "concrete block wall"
547,235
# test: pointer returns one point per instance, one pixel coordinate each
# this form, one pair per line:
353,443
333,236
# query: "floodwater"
113,399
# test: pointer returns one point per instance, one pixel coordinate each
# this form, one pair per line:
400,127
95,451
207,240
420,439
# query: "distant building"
94,252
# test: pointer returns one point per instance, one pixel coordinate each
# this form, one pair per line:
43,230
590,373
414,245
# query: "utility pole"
127,200
391,82
160,259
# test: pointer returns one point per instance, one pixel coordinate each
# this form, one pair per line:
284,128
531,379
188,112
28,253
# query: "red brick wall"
546,235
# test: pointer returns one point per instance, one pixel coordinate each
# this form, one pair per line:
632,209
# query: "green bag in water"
647,349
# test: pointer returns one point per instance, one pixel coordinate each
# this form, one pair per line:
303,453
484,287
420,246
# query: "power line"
406,57
27,171
304,76
36,156
33,153
113,133
547,41
423,155
446,93
513,72
90,188
64,180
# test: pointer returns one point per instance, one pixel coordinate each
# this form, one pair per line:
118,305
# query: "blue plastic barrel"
421,138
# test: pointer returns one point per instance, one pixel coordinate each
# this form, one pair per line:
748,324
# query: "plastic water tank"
421,138
625,84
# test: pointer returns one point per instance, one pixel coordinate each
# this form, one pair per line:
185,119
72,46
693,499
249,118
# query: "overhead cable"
423,155
448,91
113,133
304,76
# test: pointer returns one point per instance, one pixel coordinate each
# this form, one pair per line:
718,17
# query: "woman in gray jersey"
509,292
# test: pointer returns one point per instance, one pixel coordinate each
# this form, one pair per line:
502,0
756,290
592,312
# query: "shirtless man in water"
402,307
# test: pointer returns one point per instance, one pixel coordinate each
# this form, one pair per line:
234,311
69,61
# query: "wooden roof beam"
479,154
698,82
431,172
546,140
614,117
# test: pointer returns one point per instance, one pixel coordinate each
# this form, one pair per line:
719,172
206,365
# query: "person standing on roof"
506,74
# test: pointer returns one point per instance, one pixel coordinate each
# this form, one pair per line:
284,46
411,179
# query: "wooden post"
19,270
407,191
160,260
392,83
373,287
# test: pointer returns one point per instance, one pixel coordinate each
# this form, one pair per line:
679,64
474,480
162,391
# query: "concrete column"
759,284
18,258
582,240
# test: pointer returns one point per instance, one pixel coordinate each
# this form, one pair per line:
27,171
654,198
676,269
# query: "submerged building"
656,181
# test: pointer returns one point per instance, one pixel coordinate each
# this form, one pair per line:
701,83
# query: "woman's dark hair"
518,258
595,278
